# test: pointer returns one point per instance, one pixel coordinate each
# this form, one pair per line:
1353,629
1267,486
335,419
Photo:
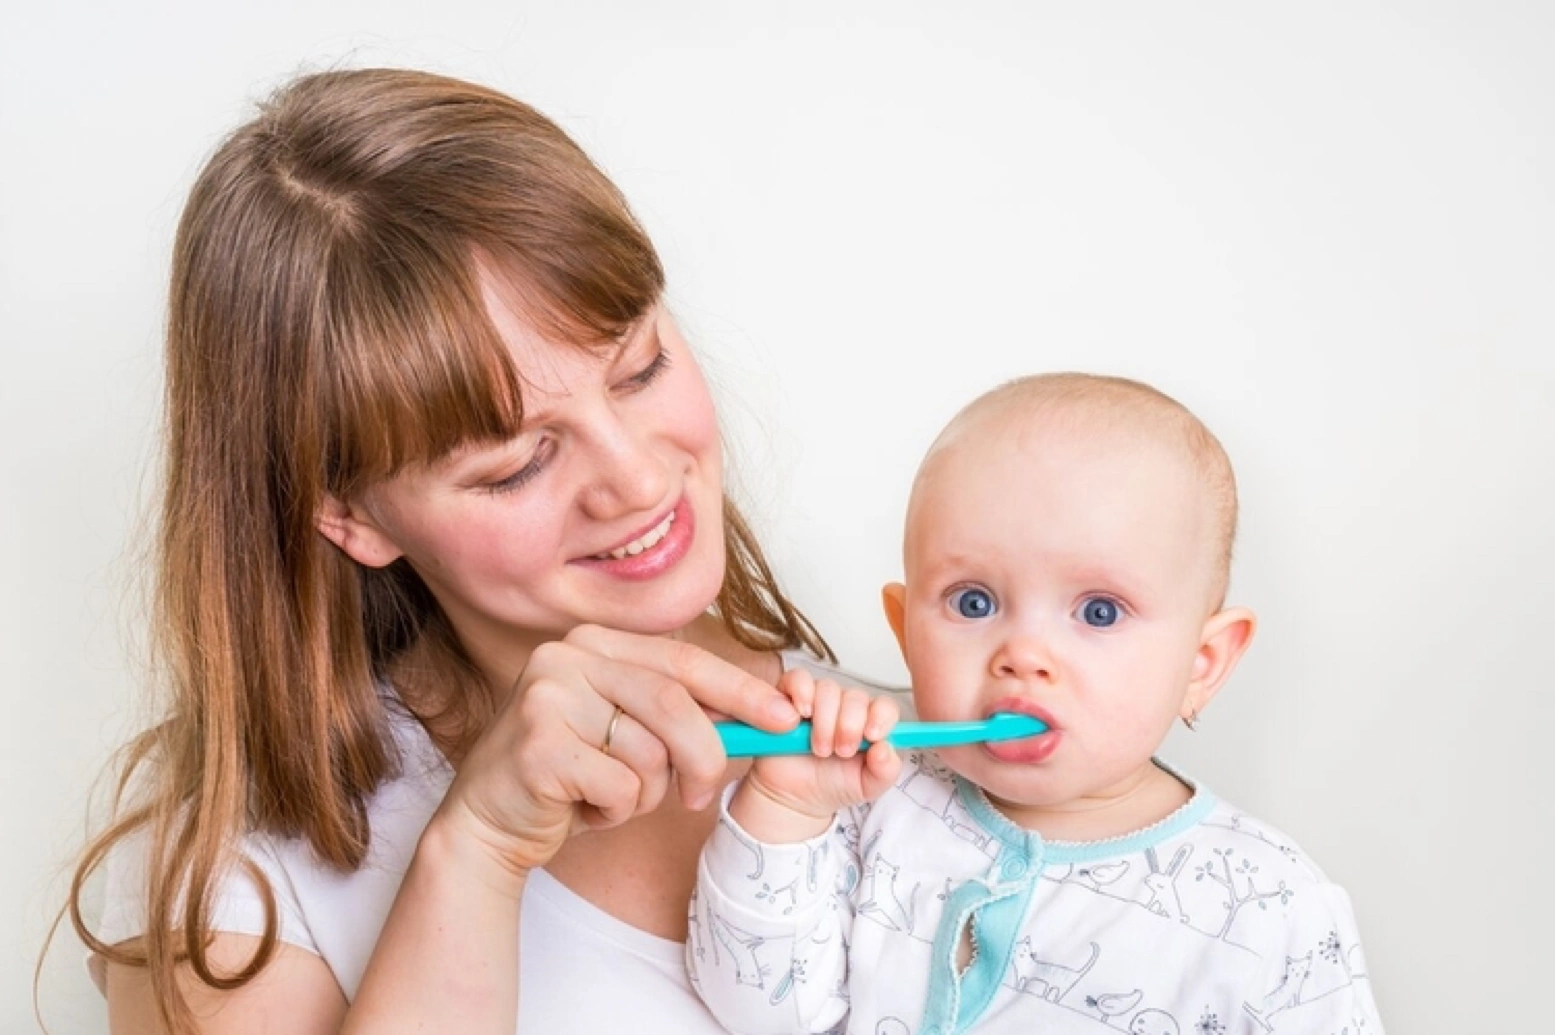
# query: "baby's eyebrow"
1098,573
937,568
1102,576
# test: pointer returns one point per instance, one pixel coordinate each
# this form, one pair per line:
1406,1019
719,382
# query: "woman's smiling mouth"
653,551
647,541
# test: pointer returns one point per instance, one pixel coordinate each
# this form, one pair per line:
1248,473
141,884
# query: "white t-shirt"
580,968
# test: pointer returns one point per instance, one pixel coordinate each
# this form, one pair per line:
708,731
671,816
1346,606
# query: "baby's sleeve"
1316,983
767,942
237,904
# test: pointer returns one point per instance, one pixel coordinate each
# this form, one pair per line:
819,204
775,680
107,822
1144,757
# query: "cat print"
1053,981
849,836
758,857
742,946
815,854
930,787
880,901
1286,995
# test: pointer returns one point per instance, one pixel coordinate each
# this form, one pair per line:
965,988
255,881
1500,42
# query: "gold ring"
610,731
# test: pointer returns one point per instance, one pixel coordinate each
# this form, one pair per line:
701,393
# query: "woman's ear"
894,598
1221,645
351,527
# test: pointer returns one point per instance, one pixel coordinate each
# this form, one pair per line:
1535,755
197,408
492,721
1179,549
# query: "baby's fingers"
823,718
882,765
883,716
799,686
851,719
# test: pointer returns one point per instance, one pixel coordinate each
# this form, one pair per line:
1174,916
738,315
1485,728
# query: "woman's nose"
629,475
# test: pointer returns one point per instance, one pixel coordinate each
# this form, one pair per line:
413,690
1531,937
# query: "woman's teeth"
648,541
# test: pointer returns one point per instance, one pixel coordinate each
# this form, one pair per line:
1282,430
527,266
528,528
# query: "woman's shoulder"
318,907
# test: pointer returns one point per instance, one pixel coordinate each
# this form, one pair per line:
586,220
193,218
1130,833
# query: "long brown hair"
326,328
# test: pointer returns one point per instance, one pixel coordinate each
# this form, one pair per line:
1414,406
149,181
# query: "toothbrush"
742,741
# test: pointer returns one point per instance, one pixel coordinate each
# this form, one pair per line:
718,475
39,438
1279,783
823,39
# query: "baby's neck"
1146,797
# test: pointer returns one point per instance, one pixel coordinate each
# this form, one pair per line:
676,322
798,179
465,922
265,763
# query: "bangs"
415,365
391,199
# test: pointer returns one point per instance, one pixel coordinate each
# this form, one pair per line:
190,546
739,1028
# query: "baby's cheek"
1141,728
934,704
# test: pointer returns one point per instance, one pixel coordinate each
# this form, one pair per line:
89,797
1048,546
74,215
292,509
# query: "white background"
1328,228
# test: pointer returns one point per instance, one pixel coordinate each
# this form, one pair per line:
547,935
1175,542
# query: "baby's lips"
1024,706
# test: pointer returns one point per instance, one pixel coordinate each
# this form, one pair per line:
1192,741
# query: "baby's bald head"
1087,409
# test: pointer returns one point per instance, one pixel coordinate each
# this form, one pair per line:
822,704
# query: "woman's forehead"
521,309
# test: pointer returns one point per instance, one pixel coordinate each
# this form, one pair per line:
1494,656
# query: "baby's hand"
788,798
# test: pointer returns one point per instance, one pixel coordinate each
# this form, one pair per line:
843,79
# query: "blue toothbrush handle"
1004,726
742,741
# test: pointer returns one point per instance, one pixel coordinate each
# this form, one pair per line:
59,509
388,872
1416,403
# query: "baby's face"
1064,573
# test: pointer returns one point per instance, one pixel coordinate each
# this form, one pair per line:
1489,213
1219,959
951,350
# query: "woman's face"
606,508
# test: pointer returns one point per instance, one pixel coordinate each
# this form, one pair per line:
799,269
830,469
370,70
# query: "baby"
1067,553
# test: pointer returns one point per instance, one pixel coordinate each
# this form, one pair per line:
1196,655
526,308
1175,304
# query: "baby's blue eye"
972,603
1099,612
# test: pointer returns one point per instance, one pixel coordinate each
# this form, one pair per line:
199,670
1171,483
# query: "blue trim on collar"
996,905
955,1001
1030,843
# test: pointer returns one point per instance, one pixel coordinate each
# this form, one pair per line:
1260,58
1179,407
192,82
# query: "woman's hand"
545,771
786,799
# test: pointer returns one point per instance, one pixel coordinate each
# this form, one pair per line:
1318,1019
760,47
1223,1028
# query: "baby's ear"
894,598
1221,645
350,527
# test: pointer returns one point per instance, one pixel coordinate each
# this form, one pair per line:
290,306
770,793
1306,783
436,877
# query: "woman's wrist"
455,840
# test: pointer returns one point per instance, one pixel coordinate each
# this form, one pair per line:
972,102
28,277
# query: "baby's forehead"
1001,438
1092,452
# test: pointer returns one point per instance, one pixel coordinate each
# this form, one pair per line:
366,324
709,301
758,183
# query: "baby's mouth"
1024,706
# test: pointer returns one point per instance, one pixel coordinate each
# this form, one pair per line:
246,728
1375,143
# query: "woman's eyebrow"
643,328
474,462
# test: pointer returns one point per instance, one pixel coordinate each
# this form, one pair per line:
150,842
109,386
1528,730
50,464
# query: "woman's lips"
659,557
1026,750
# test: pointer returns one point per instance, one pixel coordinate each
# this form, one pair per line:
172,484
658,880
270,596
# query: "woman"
447,588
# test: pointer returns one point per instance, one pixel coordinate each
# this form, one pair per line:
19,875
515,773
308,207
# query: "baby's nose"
1024,656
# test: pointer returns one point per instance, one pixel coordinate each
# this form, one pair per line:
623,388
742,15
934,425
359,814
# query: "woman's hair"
326,329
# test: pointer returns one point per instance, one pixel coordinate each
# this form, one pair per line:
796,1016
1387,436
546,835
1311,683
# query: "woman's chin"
675,610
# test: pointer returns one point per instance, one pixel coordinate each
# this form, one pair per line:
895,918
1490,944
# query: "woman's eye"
648,375
1100,612
973,602
525,474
